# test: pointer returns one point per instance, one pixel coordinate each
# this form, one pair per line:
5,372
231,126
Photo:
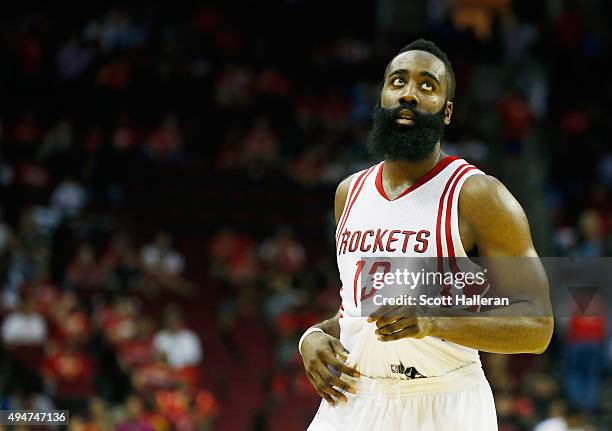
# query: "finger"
339,349
316,383
341,355
381,311
410,332
345,369
323,386
340,365
331,383
330,393
389,318
328,398
334,380
390,328
323,395
405,311
334,363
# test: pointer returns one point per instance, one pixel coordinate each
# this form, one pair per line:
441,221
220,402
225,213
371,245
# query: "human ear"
448,112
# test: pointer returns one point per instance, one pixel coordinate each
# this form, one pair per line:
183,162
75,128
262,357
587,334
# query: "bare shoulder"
493,215
486,195
341,194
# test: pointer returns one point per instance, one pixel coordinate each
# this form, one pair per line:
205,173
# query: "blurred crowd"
167,175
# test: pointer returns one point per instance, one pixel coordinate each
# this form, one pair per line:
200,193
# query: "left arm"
492,219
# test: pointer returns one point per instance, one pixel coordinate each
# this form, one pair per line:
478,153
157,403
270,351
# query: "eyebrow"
423,73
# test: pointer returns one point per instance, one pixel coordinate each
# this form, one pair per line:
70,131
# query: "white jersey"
420,222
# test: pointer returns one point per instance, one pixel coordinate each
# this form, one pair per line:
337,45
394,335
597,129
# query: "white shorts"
458,401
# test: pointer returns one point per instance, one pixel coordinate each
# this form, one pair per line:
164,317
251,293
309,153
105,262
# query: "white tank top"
422,221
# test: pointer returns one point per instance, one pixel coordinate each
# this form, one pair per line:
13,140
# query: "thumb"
339,349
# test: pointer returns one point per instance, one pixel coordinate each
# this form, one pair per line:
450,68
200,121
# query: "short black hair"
432,48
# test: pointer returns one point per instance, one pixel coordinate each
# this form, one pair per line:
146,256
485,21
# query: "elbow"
544,327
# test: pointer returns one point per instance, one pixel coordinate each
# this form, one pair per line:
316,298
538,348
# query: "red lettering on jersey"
378,241
422,238
386,267
343,244
391,240
354,243
407,235
369,232
381,240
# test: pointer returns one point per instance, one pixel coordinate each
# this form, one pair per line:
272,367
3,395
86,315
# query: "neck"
404,173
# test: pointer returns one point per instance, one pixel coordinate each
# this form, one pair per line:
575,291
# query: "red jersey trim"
428,176
348,200
468,290
348,212
449,207
439,251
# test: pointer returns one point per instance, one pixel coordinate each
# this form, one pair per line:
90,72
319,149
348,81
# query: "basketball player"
411,367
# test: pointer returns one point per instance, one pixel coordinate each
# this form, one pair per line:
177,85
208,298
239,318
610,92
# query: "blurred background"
167,175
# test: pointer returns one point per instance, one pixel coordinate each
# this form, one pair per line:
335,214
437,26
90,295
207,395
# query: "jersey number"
376,266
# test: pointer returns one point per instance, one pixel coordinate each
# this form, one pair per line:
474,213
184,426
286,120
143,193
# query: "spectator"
160,259
565,419
119,323
138,349
135,416
70,322
120,264
24,326
83,272
584,352
234,257
100,415
163,267
516,119
70,371
68,198
555,420
180,345
283,252
260,145
166,142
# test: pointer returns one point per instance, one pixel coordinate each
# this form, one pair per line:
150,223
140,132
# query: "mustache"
421,118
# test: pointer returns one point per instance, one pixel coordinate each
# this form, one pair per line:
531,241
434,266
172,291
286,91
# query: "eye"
427,86
398,82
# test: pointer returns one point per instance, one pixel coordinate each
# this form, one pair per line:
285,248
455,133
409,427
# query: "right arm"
322,349
332,326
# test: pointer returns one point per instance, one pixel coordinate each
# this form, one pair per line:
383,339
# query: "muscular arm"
498,226
320,351
492,219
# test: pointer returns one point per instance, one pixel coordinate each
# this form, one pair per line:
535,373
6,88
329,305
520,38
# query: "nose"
409,95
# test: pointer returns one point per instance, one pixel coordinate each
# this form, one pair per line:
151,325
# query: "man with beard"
408,366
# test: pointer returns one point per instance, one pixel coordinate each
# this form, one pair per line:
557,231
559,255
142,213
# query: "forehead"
418,61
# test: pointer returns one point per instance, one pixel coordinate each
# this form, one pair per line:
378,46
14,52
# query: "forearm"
331,326
509,330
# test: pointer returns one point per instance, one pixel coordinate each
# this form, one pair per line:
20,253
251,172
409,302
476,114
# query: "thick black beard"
392,141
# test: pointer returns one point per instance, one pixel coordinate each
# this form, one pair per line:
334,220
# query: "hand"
320,350
402,321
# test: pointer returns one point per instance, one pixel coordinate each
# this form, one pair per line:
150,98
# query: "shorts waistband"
461,378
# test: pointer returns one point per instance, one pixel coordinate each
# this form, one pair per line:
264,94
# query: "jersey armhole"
358,178
455,232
